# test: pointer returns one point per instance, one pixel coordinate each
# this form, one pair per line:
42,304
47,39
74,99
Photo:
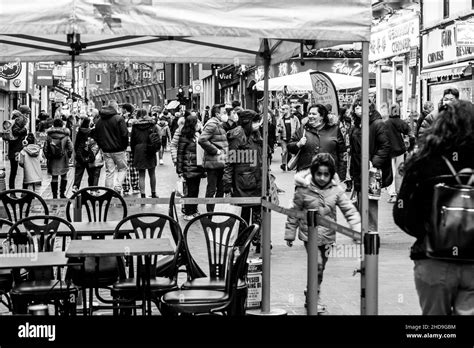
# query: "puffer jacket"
327,139
244,170
307,196
111,131
174,145
212,139
281,129
30,160
20,131
395,128
427,122
187,158
59,166
82,137
142,158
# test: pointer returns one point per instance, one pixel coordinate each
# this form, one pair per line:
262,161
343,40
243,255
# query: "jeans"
13,172
322,260
93,174
394,187
445,288
192,185
115,169
215,186
151,174
285,154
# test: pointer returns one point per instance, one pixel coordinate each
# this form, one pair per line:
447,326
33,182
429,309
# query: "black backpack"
56,148
154,142
84,154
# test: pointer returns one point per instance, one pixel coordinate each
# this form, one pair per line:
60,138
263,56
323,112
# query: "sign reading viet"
9,71
394,38
324,91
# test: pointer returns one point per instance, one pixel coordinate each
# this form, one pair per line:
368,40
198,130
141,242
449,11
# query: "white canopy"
302,82
205,31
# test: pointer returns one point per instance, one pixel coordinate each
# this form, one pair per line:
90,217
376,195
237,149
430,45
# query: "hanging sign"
9,71
324,91
465,34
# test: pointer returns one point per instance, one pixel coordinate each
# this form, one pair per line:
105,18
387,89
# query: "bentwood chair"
38,234
212,301
97,202
6,276
18,203
147,226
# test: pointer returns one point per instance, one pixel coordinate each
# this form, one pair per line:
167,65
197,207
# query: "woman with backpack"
88,156
144,147
445,285
58,150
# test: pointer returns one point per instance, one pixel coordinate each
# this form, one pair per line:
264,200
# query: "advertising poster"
324,91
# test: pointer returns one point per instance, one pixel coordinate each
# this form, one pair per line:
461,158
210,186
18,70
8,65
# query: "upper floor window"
98,78
445,8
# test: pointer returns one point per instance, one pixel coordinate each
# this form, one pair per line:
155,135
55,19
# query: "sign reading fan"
324,91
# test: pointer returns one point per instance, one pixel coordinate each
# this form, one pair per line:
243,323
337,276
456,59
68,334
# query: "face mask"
224,118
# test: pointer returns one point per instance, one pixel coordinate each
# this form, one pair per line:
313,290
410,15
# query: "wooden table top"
32,259
119,247
85,228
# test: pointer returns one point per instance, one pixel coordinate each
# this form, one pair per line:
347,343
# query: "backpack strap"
456,174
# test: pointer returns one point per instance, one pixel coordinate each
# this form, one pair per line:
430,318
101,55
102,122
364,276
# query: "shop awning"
453,69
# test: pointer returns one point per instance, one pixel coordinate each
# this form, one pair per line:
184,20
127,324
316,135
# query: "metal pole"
266,215
372,246
312,249
364,203
394,84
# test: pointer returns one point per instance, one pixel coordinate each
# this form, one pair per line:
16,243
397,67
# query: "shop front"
447,63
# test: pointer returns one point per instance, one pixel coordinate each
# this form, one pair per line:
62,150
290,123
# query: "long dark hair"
189,128
451,131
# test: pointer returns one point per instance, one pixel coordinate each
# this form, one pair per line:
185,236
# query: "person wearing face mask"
243,174
449,95
233,119
213,140
287,127
165,134
318,135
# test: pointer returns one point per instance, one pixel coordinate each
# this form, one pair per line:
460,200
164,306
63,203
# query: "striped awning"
449,70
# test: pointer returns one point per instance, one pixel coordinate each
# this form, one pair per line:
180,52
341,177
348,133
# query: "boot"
153,195
54,189
62,190
143,195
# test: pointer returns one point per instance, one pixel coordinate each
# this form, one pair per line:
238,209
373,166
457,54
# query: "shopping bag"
294,160
181,188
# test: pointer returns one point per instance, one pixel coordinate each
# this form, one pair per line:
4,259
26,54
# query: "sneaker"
188,217
75,189
136,190
161,162
283,167
126,193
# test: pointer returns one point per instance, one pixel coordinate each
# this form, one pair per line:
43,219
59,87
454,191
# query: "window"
445,8
161,75
146,74
98,78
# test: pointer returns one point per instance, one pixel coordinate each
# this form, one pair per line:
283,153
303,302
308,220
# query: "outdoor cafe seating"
17,203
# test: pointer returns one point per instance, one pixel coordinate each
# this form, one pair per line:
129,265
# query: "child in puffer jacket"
30,159
316,189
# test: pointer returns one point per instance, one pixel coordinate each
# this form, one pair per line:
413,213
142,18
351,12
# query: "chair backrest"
35,234
97,201
237,264
218,238
8,223
150,225
17,203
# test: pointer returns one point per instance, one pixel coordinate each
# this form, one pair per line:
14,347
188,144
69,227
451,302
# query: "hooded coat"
30,159
212,139
243,172
20,131
309,196
111,131
58,166
186,163
142,158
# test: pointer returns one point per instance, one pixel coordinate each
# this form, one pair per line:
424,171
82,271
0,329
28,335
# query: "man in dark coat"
112,138
19,131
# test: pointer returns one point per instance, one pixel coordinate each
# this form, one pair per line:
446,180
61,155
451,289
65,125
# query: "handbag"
181,188
294,160
451,226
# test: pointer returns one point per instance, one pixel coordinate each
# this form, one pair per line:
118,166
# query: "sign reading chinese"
440,48
394,39
465,34
9,71
324,91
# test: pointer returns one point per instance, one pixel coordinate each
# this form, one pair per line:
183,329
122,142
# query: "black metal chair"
6,276
18,202
97,201
147,226
193,301
38,234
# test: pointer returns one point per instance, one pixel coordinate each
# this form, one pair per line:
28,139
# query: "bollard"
38,309
312,293
371,247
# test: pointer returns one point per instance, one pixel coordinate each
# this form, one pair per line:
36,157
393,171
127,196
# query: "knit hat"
24,109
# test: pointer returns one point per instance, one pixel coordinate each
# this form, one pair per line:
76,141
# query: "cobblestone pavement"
340,289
